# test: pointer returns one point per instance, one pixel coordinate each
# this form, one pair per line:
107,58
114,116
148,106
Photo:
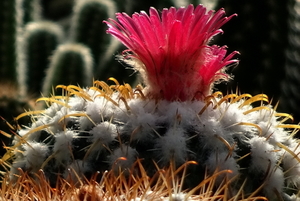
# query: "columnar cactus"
290,85
71,64
32,10
11,26
176,117
87,28
262,69
39,41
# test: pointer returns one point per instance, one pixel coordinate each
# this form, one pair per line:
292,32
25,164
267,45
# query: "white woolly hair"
142,116
35,154
55,122
218,161
77,103
104,131
62,147
265,159
211,132
93,112
273,133
97,109
230,115
102,134
172,146
275,181
263,154
292,165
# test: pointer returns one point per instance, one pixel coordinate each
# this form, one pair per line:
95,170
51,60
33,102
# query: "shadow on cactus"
174,118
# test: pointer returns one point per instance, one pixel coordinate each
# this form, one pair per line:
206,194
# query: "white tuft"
274,182
141,117
63,146
35,154
291,165
264,159
263,154
172,146
103,134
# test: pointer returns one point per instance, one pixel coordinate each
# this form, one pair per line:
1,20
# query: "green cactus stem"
39,41
262,69
11,16
70,64
87,28
290,95
32,10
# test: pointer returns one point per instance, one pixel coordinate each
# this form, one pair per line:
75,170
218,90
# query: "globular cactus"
40,39
71,64
174,119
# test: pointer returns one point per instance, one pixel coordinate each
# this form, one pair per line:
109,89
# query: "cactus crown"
171,50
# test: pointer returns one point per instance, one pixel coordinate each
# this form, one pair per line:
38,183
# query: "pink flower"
171,50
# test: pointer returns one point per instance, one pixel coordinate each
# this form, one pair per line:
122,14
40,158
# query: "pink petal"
173,48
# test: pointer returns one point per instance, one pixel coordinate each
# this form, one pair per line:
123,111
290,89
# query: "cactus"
87,28
32,11
175,118
70,64
11,26
40,39
262,69
290,85
269,29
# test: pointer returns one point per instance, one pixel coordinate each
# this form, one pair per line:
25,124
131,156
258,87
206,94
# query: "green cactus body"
70,64
11,26
87,28
290,86
39,41
32,10
263,59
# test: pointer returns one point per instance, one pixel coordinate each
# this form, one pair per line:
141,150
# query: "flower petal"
171,50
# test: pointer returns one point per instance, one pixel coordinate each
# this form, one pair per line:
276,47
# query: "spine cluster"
110,127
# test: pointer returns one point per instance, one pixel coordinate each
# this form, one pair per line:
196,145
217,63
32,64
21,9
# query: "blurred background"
44,43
